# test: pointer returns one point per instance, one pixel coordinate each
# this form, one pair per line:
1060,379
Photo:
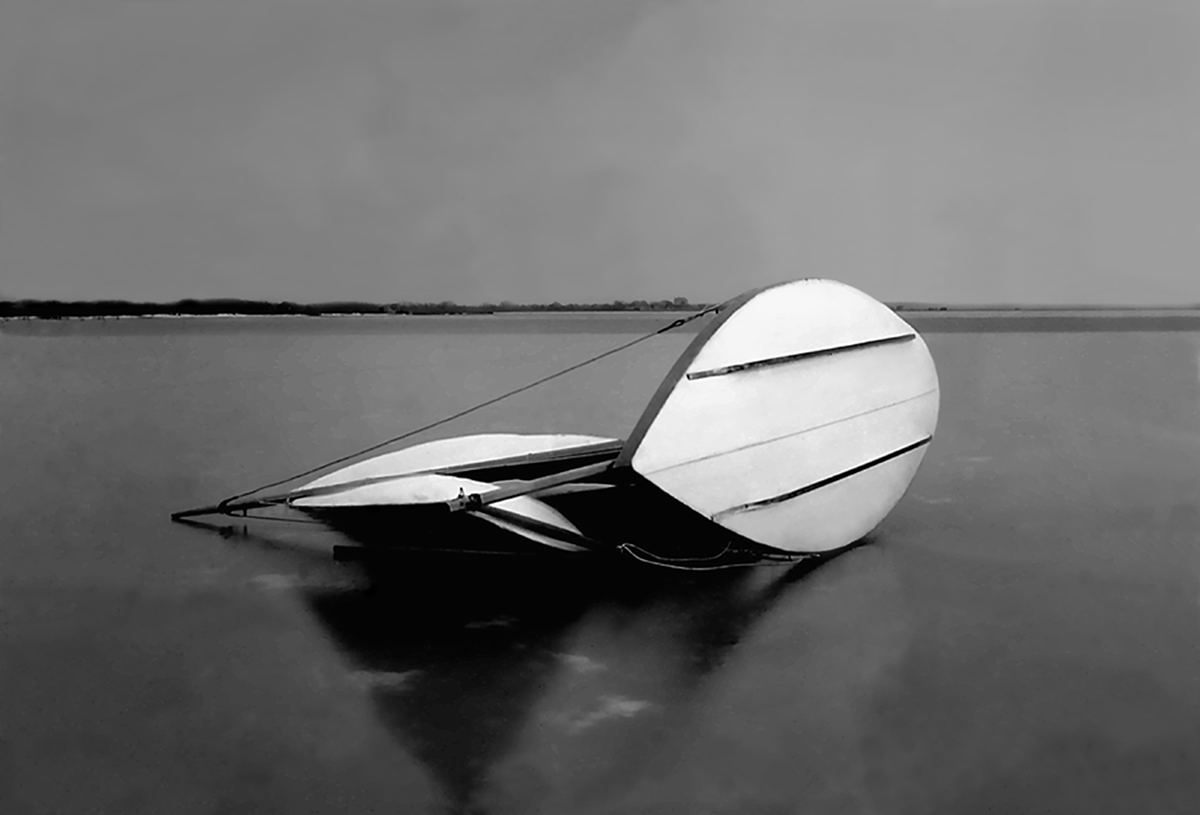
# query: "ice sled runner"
790,426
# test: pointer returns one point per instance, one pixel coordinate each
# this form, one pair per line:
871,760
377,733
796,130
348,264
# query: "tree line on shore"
64,309
59,309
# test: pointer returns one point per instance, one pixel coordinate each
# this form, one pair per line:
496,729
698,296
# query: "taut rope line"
480,406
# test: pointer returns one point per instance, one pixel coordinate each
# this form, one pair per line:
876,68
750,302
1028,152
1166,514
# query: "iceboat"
790,427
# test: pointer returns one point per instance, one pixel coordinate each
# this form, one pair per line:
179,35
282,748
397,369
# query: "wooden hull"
649,528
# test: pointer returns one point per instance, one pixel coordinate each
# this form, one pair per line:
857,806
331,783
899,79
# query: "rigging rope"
480,406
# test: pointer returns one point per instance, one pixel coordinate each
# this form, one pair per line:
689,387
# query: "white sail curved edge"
800,422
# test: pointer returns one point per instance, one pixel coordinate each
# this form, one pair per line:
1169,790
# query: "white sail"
797,420
455,452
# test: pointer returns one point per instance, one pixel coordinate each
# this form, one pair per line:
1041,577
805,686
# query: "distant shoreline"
94,309
221,309
237,316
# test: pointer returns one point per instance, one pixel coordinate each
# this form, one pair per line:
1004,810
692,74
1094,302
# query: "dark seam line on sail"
825,482
823,352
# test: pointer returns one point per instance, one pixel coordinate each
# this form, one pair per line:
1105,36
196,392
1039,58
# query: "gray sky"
947,150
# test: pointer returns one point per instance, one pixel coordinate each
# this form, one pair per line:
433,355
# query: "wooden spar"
573,488
472,501
478,499
678,372
609,449
227,509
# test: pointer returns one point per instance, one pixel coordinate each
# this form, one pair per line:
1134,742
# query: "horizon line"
510,305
